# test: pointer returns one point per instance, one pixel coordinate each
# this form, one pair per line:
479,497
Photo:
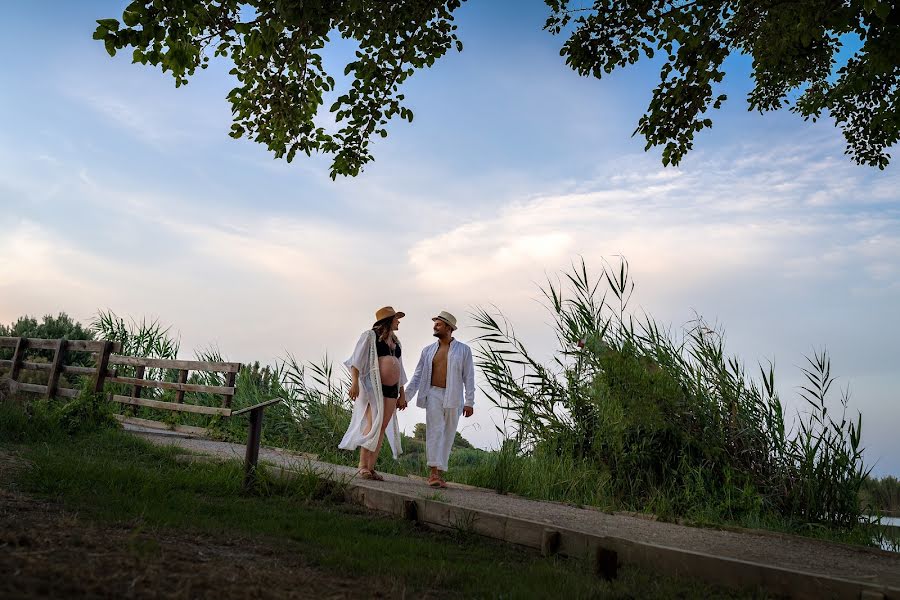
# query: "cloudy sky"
119,192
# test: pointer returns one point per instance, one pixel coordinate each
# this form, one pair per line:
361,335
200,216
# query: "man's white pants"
440,429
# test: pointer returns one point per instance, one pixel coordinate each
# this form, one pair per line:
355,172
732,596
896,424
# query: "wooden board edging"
724,571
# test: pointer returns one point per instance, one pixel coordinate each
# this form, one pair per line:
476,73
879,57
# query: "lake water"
894,522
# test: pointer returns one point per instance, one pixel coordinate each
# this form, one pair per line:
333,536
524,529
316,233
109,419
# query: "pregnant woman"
377,380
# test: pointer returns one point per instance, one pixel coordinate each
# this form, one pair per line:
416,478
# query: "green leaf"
109,24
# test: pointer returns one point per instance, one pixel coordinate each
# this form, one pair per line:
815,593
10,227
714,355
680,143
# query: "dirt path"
843,561
47,552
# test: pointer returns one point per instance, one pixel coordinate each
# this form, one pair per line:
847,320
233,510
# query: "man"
445,382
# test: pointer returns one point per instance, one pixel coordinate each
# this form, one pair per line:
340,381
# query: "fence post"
138,374
102,366
229,382
182,378
56,367
251,458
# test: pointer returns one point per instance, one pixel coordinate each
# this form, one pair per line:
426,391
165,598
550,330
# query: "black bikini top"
382,349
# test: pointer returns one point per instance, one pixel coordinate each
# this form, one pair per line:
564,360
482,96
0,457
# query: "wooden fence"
57,366
106,359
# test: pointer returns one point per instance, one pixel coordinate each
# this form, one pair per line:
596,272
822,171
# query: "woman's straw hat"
387,311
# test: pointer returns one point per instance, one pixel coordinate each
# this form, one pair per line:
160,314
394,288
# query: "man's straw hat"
446,318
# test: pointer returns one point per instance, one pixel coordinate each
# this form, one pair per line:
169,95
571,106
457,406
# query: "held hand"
467,411
401,404
354,390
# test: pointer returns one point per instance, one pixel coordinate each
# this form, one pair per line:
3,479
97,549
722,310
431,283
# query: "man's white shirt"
460,390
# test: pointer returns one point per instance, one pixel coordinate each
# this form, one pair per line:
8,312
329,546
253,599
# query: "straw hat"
446,318
387,311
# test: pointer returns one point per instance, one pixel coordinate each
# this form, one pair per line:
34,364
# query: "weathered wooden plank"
103,365
68,369
58,358
31,387
41,344
187,429
34,366
192,408
168,385
67,392
165,363
241,411
91,345
17,358
75,370
74,345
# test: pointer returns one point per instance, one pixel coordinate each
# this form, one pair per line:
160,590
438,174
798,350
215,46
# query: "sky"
120,192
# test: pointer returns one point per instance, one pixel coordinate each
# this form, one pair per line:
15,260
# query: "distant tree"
62,326
460,442
48,328
882,494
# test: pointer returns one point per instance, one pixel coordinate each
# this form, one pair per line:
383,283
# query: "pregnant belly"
389,368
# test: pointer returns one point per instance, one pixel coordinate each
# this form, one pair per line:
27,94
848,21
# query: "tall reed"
669,422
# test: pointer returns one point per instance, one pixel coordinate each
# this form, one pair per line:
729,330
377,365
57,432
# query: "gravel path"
785,551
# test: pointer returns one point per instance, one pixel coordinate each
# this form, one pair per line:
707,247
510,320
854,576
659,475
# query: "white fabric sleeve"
412,387
360,356
469,377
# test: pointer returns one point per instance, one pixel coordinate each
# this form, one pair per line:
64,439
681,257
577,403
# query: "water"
894,533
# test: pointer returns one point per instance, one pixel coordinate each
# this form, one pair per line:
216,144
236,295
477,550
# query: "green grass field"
110,477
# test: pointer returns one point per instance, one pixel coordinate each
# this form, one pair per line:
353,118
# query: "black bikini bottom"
390,391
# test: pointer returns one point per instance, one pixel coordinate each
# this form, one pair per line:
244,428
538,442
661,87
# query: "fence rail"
57,366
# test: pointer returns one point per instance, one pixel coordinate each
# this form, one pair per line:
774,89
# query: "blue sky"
119,191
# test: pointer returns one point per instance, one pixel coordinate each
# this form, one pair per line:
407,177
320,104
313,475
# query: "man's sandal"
365,474
434,482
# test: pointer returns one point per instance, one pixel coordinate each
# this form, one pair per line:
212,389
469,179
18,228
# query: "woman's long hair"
383,330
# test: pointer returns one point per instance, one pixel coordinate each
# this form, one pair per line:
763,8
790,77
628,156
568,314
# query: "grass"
111,477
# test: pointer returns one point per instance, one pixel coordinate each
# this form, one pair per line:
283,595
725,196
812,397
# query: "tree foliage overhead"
818,57
795,45
276,47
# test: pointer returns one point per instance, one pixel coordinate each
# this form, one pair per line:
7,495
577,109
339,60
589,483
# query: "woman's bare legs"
390,405
364,454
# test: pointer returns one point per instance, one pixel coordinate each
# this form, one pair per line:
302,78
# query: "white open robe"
365,359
